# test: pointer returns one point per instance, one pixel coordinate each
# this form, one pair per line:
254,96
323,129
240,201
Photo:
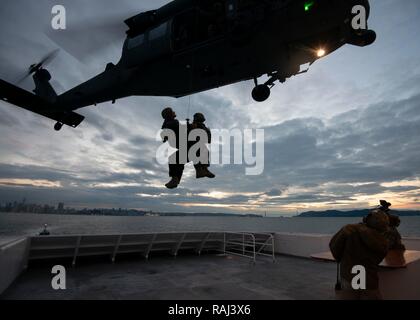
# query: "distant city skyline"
24,207
60,208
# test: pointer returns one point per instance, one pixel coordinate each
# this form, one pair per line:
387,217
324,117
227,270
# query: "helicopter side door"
199,25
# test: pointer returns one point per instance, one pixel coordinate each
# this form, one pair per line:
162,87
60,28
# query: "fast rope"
189,107
191,67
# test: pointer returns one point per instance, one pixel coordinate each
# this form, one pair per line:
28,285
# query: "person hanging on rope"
200,153
176,166
190,142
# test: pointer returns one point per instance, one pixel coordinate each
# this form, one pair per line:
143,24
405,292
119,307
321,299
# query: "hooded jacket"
359,244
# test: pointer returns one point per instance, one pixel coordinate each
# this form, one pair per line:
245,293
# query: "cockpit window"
136,41
158,32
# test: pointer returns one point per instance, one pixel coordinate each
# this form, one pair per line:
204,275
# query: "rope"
189,107
192,69
191,85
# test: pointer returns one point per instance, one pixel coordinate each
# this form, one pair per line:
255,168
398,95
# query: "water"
14,225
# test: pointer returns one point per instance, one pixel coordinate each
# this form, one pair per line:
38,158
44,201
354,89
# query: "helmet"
378,220
199,117
385,203
167,113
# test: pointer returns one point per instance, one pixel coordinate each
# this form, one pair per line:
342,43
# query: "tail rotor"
34,68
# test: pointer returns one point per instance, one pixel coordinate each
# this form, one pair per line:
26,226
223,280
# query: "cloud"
6,119
28,182
308,161
274,192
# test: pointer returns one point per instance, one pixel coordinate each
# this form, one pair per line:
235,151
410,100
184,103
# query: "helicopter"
191,46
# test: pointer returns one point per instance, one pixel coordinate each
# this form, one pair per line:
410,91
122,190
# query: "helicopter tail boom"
26,100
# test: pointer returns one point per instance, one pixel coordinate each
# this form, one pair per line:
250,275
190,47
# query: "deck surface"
394,260
192,277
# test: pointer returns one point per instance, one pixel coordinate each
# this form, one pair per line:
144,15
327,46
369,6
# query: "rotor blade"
98,31
49,57
83,40
22,78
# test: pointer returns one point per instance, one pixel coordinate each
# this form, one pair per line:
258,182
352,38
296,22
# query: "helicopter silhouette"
191,46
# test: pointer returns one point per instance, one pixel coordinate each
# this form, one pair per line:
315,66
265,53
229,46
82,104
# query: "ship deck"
187,277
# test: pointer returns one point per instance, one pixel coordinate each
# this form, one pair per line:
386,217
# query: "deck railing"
249,245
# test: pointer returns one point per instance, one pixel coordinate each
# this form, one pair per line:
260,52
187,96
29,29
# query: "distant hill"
352,213
183,214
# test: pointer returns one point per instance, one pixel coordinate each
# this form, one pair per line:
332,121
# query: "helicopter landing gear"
58,126
261,93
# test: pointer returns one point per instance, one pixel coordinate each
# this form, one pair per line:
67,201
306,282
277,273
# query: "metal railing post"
117,245
255,259
243,243
224,243
149,247
203,243
272,246
76,251
178,245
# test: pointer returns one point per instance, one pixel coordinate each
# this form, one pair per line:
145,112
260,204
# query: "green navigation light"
309,5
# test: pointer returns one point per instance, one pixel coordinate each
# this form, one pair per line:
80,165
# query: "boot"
173,183
200,172
208,173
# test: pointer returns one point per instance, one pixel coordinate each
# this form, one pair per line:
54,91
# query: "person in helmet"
363,244
202,169
393,235
176,170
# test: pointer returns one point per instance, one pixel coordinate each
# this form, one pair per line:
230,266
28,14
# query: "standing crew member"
363,245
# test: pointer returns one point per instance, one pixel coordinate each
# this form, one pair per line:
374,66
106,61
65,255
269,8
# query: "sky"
342,136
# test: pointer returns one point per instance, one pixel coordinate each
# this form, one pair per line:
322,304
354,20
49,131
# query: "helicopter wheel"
58,126
362,39
261,93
